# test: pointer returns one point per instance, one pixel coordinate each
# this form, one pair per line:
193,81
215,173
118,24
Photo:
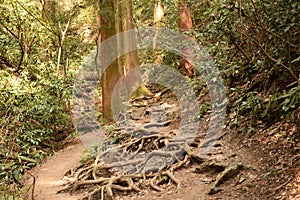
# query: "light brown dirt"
49,175
270,169
193,185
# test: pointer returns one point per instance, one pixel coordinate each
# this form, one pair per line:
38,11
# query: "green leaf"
16,174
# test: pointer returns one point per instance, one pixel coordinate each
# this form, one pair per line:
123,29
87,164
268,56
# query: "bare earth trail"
49,180
238,168
194,185
49,174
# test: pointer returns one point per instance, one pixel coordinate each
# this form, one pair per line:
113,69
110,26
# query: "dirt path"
194,185
49,174
217,178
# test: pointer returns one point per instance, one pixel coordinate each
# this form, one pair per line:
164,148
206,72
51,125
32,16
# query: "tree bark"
185,26
158,15
130,59
116,17
111,74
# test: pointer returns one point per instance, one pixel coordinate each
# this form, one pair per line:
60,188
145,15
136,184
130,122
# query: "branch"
10,31
270,57
270,32
29,13
239,48
20,41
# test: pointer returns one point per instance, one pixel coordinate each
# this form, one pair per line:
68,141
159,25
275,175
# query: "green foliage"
39,56
204,108
31,115
109,128
11,192
87,155
256,45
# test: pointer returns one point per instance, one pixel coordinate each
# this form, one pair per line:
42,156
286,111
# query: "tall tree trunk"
116,17
119,20
185,26
111,74
130,60
52,15
158,15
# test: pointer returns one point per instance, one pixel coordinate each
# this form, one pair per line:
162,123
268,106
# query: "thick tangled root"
118,170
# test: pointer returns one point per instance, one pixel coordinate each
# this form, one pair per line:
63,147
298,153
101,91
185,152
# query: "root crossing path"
235,168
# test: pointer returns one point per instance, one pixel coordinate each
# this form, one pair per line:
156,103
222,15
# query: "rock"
227,174
209,167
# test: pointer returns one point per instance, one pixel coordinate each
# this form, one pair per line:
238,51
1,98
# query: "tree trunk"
116,17
130,59
185,26
111,74
158,15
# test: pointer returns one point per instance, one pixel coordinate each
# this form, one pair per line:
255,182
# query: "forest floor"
260,165
49,174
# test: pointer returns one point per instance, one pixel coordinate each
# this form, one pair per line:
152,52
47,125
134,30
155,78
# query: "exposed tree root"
146,156
119,170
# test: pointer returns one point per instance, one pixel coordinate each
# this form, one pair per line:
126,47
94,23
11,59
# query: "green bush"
39,57
256,44
31,113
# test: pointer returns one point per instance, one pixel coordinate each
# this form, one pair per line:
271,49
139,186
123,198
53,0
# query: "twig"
270,57
29,13
33,185
282,185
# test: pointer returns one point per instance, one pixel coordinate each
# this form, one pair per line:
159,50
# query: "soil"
270,169
49,174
